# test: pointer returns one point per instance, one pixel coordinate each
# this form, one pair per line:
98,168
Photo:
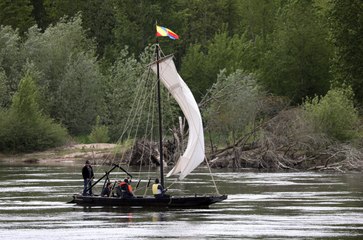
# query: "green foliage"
11,61
200,20
195,71
201,66
257,17
297,64
99,21
79,95
346,22
334,114
233,105
123,80
3,90
83,69
99,133
70,79
16,14
134,24
23,128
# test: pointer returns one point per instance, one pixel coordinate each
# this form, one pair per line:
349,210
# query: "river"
289,205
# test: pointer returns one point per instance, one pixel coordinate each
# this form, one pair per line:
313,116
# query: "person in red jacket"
124,189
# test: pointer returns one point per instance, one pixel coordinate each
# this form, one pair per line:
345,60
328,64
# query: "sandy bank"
70,154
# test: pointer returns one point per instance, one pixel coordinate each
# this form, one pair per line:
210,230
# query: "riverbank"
71,154
342,159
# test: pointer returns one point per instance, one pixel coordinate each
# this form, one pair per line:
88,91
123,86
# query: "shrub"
334,114
99,133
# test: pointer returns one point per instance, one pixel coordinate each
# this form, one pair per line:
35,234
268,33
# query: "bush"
334,114
99,133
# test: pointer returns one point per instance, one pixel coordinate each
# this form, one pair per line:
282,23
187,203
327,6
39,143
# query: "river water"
292,205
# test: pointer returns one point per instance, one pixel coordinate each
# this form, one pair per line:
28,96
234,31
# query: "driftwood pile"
337,158
286,142
146,152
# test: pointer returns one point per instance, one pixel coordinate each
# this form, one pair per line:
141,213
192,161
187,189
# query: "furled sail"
194,152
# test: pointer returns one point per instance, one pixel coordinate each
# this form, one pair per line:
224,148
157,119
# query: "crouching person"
124,190
107,190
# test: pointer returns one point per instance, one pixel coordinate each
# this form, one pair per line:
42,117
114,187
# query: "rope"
152,103
173,183
210,171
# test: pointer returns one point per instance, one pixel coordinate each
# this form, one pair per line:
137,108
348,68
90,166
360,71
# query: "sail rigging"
194,153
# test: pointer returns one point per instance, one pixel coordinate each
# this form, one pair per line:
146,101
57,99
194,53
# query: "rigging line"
149,113
175,181
153,105
140,91
139,109
136,99
210,171
133,111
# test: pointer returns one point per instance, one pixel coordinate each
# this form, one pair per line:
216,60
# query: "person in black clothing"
87,173
107,190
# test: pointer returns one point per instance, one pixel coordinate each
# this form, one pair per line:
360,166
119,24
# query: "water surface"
305,205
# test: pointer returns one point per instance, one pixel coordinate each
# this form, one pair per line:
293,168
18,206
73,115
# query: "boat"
192,157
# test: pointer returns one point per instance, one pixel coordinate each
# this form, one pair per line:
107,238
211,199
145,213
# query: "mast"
160,117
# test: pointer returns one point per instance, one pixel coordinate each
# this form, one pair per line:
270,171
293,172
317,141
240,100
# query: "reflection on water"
259,206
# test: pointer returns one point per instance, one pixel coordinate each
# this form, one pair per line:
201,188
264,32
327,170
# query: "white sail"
194,153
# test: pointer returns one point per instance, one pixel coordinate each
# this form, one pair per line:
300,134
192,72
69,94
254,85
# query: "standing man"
87,173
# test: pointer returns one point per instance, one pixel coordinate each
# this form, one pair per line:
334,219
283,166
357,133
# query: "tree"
16,14
39,14
3,90
135,24
122,85
80,94
195,71
297,64
11,61
23,127
131,97
258,17
65,58
57,10
99,22
233,105
346,19
200,67
200,20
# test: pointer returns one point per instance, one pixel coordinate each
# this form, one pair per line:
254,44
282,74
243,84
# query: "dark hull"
149,202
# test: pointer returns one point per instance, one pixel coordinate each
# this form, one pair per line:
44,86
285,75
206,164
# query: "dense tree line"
85,58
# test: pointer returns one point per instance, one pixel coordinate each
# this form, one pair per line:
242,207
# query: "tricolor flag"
165,32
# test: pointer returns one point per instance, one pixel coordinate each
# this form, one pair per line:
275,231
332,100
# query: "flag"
165,32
